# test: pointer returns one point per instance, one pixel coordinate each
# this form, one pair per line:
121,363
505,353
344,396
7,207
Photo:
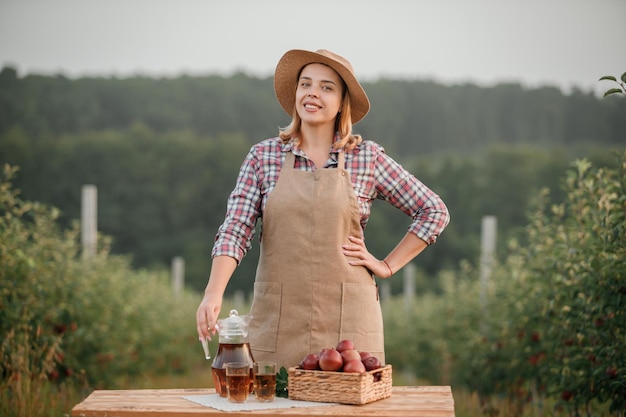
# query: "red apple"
364,354
354,366
310,362
345,345
349,355
322,351
611,372
330,360
371,363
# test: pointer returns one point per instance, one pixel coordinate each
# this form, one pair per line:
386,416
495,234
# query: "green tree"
556,315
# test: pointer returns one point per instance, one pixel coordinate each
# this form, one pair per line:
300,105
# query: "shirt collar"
291,147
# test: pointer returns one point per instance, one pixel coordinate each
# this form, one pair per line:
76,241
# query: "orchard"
546,337
550,334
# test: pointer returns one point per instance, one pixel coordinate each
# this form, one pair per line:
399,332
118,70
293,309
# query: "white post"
409,286
487,250
384,291
89,220
178,275
239,299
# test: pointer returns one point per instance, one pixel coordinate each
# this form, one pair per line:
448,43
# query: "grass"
39,399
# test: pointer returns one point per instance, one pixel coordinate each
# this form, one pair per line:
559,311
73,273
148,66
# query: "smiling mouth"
311,107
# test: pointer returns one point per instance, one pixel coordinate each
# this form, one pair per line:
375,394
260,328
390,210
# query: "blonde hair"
343,125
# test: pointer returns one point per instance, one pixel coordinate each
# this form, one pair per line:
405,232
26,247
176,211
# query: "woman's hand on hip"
361,257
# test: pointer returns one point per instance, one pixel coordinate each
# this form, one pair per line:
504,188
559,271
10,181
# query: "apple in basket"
330,360
344,345
371,362
310,362
343,357
350,355
354,366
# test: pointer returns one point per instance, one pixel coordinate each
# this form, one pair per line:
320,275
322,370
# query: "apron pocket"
265,311
361,317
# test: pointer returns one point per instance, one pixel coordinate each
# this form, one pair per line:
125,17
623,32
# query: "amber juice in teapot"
227,352
233,347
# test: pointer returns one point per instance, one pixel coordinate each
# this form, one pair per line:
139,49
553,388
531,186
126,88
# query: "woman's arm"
208,311
404,191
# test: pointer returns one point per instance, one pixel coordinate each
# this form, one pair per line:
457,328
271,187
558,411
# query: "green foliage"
162,195
581,246
428,337
207,105
549,330
621,84
164,154
65,319
282,383
30,327
159,195
409,117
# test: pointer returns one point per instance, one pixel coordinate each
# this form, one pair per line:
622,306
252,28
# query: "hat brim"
286,79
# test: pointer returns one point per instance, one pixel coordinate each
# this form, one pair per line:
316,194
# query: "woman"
313,187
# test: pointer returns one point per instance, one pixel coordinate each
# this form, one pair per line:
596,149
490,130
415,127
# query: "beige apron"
306,295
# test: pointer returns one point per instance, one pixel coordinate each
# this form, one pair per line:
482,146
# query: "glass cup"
237,381
264,381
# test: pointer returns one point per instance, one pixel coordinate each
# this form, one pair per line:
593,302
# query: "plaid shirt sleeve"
234,237
403,190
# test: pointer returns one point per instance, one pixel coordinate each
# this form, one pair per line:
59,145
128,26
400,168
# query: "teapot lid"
234,328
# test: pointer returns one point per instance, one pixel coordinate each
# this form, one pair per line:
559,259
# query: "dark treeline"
411,117
165,153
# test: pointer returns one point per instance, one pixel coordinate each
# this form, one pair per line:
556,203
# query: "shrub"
91,321
558,305
550,329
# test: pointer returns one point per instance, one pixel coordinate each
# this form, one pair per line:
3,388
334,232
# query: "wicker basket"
340,387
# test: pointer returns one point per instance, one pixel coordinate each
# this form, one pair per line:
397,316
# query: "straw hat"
292,62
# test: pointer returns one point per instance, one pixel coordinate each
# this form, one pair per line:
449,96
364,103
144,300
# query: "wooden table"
423,401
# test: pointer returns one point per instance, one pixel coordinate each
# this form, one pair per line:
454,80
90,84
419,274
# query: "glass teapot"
233,347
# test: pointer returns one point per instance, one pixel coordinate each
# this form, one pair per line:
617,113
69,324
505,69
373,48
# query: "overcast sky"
563,43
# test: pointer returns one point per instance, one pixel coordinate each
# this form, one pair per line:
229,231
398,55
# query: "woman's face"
319,94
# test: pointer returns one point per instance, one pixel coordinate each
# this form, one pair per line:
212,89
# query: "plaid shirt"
374,176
